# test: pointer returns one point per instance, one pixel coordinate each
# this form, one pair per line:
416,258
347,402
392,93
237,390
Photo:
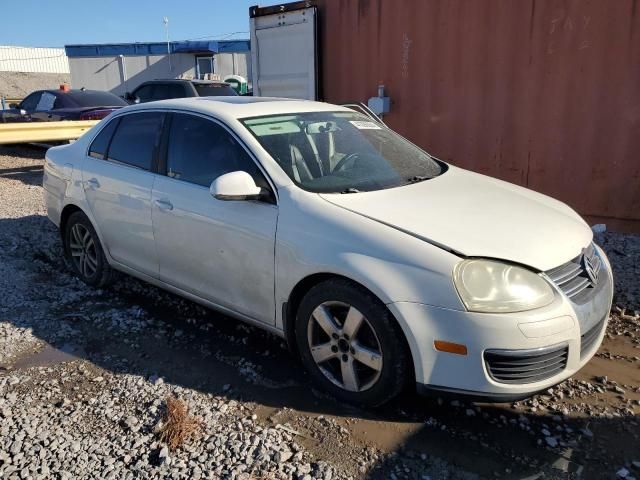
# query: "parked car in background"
63,104
382,265
166,89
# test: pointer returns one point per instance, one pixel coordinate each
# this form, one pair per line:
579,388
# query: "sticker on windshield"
359,124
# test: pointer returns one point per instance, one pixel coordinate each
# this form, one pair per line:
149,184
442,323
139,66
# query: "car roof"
74,90
233,108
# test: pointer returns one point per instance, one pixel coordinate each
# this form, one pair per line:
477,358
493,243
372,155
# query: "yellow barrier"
30,132
9,101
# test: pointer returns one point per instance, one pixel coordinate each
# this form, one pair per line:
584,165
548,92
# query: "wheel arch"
67,211
290,308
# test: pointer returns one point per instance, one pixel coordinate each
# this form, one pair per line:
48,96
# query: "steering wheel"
343,161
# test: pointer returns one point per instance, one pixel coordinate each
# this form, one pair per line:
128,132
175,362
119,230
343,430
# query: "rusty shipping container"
542,93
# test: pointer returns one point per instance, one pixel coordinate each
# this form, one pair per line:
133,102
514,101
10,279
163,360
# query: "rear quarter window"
100,144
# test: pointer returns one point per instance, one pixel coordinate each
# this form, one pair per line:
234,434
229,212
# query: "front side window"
160,91
200,150
29,103
144,93
136,139
341,152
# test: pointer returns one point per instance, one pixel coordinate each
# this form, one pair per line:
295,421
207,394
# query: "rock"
283,455
551,441
131,422
164,457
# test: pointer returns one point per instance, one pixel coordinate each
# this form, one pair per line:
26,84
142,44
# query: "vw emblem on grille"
591,267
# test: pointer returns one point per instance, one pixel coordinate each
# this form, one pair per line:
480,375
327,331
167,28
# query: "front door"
118,179
222,251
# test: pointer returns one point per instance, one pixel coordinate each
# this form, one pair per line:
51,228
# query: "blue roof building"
121,67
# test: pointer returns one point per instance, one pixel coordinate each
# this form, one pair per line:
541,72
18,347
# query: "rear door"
284,51
118,176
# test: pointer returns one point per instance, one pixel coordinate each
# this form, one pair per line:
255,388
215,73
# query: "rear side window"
201,150
98,148
214,90
46,102
176,91
136,139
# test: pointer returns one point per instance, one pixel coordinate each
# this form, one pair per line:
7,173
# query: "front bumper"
562,323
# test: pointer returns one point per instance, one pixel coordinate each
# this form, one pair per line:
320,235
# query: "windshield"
94,98
214,90
341,152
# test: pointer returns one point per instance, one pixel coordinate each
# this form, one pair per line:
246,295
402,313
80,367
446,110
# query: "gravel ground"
84,375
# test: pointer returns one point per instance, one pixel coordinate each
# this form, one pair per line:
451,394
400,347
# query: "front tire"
351,344
84,253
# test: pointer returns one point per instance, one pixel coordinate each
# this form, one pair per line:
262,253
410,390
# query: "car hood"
477,216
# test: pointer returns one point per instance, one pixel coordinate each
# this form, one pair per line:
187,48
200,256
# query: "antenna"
165,21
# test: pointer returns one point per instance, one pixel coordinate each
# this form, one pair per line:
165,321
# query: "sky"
55,23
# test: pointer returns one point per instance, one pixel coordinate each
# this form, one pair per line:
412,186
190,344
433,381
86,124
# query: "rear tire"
83,252
351,344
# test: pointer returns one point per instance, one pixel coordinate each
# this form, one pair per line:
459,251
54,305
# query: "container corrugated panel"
27,59
542,93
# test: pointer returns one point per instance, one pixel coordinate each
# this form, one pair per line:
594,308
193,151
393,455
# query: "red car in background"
62,104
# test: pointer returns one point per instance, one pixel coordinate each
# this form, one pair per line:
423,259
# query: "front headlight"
490,286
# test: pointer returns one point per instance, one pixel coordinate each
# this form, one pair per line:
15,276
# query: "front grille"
588,339
578,277
526,366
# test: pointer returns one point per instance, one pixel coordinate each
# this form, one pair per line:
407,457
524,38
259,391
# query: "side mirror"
14,106
235,186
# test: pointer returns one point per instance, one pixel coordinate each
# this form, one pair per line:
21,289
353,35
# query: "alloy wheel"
83,250
344,346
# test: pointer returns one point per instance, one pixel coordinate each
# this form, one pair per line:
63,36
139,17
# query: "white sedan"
382,266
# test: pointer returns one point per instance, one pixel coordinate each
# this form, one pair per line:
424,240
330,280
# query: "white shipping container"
29,59
284,52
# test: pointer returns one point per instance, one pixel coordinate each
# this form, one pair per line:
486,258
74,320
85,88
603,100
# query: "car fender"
315,237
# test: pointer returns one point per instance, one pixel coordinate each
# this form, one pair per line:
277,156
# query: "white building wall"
233,64
121,74
28,59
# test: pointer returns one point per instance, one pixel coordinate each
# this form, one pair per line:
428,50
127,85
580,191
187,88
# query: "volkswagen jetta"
380,264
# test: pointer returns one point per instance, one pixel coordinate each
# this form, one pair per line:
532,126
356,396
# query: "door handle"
92,183
163,204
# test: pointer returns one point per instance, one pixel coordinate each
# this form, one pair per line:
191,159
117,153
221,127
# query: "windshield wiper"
417,178
351,190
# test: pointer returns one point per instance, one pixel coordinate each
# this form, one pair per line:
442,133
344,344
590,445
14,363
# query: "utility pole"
165,20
